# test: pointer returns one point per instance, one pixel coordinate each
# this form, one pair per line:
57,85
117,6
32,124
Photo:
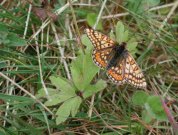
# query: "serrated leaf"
91,89
119,32
89,69
135,6
146,116
112,36
83,70
156,108
132,46
91,20
76,101
63,112
65,109
62,84
58,98
139,98
125,36
77,72
149,110
41,92
85,40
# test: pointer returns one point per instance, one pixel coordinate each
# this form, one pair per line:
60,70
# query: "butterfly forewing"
99,40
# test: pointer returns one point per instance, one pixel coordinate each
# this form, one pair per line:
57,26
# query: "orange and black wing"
100,58
99,40
102,47
127,70
117,73
133,73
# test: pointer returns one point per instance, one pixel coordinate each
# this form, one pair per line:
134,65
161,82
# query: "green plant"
71,93
152,106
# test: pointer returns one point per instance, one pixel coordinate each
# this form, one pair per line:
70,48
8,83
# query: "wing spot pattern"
126,69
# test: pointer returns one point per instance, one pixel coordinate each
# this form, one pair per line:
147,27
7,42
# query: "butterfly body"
120,65
118,51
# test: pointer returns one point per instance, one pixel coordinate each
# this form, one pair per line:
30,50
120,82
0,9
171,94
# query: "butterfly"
115,58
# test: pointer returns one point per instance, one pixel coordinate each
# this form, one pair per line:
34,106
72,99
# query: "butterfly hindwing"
100,58
116,73
133,73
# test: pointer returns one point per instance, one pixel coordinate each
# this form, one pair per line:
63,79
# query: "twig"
106,124
27,21
61,51
91,106
70,33
47,21
4,1
40,68
175,4
76,27
126,13
100,13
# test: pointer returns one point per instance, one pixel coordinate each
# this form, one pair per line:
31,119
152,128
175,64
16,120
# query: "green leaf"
140,6
58,98
76,101
66,108
125,36
91,89
91,20
83,70
41,92
62,84
139,98
85,40
155,107
132,46
146,116
63,112
77,72
119,32
135,6
112,36
14,40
